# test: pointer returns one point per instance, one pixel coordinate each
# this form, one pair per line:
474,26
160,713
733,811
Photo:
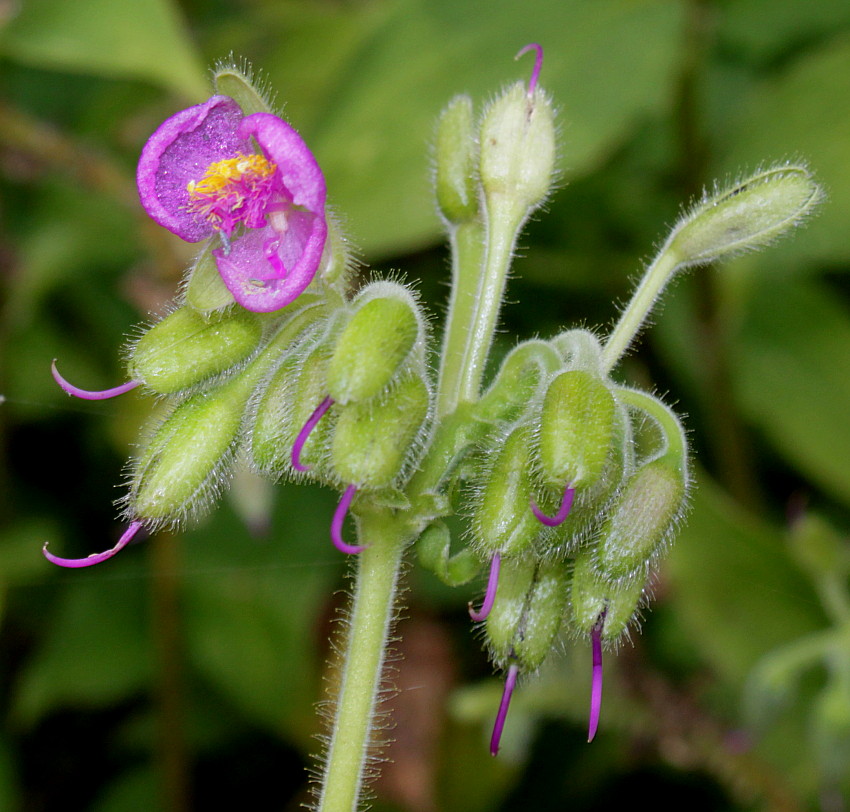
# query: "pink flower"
200,176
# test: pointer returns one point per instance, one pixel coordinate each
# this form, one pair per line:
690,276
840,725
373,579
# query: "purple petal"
339,518
308,427
510,684
298,169
563,511
490,594
596,688
97,558
88,394
255,281
180,151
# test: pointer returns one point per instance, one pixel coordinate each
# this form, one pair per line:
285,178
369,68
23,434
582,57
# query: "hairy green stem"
352,737
467,244
654,281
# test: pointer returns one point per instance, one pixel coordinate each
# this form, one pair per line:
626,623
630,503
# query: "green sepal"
591,595
528,611
433,549
517,381
184,348
373,346
204,289
237,81
577,426
502,520
455,160
373,440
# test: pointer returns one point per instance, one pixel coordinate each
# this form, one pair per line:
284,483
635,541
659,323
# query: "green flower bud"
374,345
455,159
517,381
595,600
183,466
518,147
527,612
746,216
238,82
642,520
502,520
577,427
184,348
433,549
373,440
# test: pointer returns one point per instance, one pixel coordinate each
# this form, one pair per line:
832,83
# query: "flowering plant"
573,483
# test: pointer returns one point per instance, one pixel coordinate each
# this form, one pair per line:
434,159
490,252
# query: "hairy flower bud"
518,380
190,453
456,155
184,348
373,440
642,519
577,426
596,601
527,612
518,147
374,345
745,216
501,519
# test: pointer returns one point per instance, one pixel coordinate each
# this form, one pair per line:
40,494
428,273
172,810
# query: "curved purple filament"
498,726
87,394
563,511
95,558
596,687
339,518
298,445
490,594
538,64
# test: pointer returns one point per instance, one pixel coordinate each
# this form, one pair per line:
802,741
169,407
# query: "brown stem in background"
729,440
171,752
688,737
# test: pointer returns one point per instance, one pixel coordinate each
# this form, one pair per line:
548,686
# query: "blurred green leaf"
792,375
734,586
143,39
95,649
250,609
372,137
803,114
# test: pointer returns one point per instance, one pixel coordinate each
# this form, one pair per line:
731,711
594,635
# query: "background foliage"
187,669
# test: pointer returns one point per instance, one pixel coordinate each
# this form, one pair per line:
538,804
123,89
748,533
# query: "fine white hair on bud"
745,216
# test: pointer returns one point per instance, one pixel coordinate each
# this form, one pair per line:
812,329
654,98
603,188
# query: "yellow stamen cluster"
221,174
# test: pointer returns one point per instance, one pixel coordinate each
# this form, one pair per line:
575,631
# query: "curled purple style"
305,432
88,394
499,725
596,687
96,558
538,64
490,594
200,175
563,511
339,518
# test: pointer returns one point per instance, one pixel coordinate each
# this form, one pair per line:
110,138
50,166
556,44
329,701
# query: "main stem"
378,568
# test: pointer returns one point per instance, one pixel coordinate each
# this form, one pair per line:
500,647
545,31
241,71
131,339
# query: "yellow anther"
221,174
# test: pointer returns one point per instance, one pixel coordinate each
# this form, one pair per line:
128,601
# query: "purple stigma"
498,727
538,64
298,445
563,511
87,394
596,687
96,558
339,518
490,594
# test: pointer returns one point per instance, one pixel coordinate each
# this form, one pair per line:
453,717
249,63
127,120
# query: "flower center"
235,190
